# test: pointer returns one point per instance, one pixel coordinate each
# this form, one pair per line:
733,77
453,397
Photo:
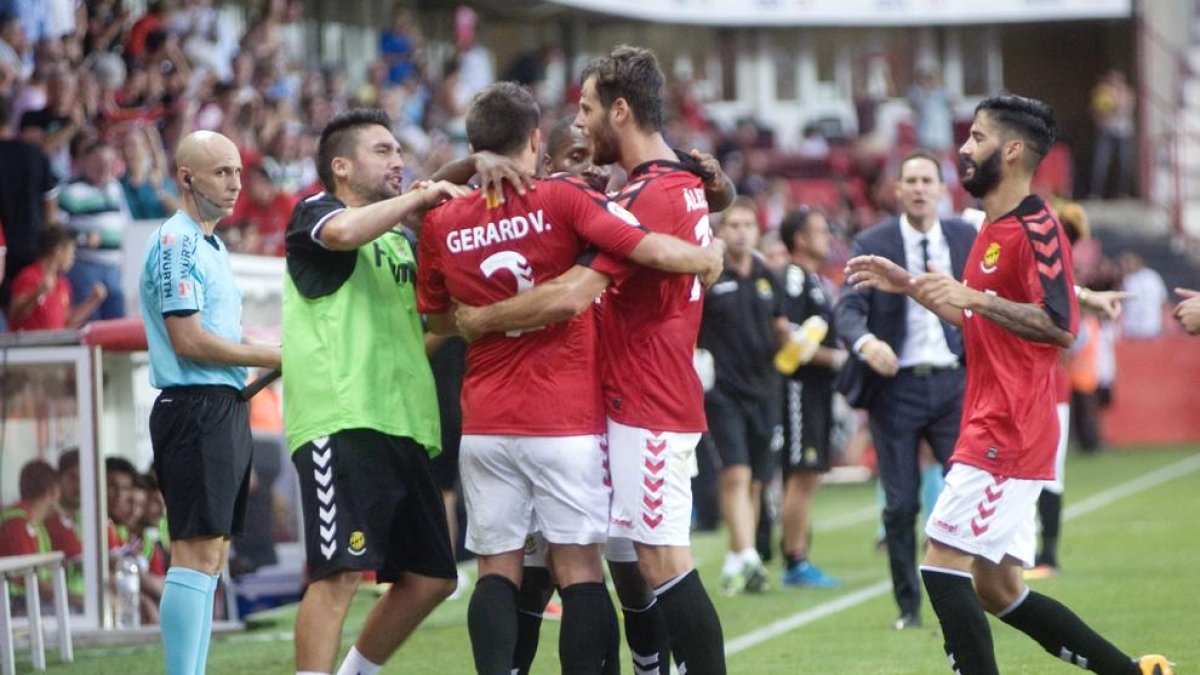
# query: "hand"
880,356
716,251
494,170
936,288
871,271
99,292
1105,303
1188,311
712,166
433,194
468,320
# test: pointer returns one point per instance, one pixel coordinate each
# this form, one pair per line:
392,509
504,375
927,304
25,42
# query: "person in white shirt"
1143,315
908,372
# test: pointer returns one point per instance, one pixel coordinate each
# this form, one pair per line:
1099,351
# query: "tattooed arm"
1026,321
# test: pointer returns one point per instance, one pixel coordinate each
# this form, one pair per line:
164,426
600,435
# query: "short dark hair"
338,137
741,202
52,236
37,479
120,465
631,73
922,154
1029,118
501,118
69,459
560,134
794,223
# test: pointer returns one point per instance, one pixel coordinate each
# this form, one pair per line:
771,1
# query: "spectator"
1143,315
55,125
933,110
207,40
106,25
813,145
96,210
150,22
21,529
14,44
149,189
28,190
398,47
260,218
41,294
1112,109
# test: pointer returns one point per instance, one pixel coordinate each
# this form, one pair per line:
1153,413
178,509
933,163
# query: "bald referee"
200,424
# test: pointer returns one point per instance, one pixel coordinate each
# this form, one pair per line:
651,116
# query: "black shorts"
745,432
370,503
202,449
807,425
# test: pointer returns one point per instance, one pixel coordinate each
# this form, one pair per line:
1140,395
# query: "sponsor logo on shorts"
810,455
944,526
358,543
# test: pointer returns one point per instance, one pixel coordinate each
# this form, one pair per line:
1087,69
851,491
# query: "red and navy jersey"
651,319
477,251
1010,426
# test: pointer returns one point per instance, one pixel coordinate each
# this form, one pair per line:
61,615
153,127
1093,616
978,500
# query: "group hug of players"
581,408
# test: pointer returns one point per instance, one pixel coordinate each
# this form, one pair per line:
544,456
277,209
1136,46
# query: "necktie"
953,339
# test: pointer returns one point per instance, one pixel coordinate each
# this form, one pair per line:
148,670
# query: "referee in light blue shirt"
200,424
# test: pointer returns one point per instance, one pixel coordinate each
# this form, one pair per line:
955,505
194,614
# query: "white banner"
856,12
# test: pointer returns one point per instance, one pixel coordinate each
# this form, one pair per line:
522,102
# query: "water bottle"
127,582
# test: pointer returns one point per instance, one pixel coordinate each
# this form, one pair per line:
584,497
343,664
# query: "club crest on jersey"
623,213
990,257
764,289
358,543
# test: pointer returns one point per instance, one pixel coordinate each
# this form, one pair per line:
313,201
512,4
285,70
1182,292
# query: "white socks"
357,664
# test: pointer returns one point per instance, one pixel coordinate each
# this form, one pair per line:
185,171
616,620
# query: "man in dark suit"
909,373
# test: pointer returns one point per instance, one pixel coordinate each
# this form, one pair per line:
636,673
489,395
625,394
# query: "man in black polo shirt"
807,393
742,327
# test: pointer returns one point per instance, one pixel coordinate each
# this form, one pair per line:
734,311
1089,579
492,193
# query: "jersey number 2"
513,262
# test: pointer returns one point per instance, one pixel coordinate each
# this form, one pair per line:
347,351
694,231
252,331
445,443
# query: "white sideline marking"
1095,502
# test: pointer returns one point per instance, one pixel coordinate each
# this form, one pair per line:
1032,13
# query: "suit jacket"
884,314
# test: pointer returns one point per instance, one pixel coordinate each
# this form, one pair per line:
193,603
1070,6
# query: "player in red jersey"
648,330
531,407
1017,308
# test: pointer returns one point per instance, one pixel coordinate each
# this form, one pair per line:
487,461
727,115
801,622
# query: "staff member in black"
909,372
742,328
807,394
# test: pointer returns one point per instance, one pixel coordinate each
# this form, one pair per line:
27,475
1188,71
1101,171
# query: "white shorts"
616,550
555,485
987,516
652,484
1060,458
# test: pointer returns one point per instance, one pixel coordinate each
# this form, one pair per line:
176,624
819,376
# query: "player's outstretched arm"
559,299
1105,303
360,225
670,254
1027,321
191,341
